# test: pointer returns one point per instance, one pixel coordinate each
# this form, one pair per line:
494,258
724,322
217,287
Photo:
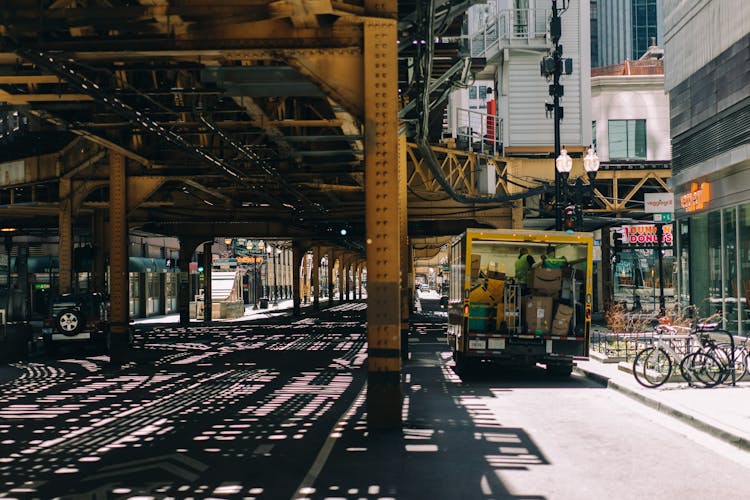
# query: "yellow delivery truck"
520,298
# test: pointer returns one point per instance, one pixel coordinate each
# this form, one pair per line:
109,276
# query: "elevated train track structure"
277,119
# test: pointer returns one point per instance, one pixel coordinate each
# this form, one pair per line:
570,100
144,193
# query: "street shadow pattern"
451,445
220,411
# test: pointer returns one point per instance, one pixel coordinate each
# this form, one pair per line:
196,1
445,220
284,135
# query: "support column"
187,247
289,274
604,272
403,222
305,278
65,228
207,302
315,278
342,274
516,214
382,211
297,253
100,251
118,261
331,261
348,280
358,290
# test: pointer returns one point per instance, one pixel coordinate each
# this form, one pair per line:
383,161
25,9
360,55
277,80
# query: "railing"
623,346
508,25
479,132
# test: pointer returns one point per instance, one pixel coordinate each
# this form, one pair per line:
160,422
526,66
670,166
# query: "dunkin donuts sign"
645,234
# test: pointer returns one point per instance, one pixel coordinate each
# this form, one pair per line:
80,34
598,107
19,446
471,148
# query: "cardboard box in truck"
538,311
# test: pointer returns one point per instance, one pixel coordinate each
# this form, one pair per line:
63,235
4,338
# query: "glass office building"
713,250
709,95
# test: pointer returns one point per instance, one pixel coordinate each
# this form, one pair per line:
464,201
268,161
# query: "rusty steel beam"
118,261
382,219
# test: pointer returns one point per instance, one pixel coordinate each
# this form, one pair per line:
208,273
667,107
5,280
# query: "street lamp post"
552,67
563,166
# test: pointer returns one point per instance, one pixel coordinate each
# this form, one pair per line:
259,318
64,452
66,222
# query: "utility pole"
553,66
659,247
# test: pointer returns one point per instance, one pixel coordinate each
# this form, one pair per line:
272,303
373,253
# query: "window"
627,139
472,92
521,23
593,134
482,92
644,19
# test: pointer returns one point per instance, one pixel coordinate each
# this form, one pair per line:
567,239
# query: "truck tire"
461,363
70,322
559,370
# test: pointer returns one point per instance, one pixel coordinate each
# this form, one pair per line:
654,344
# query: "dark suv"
83,317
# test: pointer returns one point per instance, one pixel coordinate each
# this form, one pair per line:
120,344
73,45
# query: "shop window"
683,258
714,263
743,223
627,139
729,231
699,276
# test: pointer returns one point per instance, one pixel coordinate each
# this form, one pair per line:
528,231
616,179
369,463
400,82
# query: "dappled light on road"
200,412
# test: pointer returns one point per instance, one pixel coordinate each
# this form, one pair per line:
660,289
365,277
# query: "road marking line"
325,451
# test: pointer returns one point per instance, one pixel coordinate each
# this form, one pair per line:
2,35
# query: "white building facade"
630,115
513,36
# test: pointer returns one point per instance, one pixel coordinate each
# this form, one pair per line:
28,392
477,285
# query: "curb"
703,426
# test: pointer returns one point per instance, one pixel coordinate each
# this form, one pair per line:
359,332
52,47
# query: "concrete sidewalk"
722,411
283,307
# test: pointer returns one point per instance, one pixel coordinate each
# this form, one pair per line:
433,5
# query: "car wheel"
70,322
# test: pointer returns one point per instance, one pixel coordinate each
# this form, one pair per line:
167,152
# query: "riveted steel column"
207,302
297,269
331,261
305,278
65,228
383,233
359,280
403,221
100,250
118,261
316,278
348,281
342,264
187,247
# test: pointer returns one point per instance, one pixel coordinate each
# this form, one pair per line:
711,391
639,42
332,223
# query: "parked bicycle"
703,362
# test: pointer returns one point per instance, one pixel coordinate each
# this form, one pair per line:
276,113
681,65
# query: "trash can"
264,302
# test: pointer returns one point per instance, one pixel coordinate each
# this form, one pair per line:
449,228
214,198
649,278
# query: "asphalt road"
275,410
227,411
524,435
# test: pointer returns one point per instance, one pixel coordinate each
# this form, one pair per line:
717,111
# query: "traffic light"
617,247
569,219
617,239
